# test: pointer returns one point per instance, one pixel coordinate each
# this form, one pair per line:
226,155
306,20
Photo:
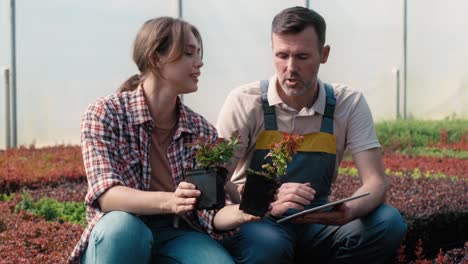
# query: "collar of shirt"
275,100
139,113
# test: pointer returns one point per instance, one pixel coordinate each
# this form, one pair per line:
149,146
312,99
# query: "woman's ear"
154,60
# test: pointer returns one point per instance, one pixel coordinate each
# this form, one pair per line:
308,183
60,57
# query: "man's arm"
371,170
370,166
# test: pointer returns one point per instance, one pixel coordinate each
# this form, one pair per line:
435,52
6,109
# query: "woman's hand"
184,198
243,217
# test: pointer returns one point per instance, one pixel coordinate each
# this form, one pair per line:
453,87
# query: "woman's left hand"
184,198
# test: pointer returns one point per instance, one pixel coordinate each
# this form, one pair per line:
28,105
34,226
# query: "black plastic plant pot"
210,182
258,193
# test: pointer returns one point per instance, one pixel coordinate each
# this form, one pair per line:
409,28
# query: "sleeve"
360,130
98,145
233,117
206,218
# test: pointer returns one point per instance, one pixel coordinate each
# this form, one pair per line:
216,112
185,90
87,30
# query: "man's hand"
340,215
292,195
184,198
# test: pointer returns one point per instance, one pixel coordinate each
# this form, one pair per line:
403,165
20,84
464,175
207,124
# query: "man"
332,119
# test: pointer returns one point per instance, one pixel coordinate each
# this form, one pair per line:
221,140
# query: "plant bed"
27,238
445,230
35,167
451,167
436,211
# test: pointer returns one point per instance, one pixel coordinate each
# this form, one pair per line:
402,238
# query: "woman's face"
183,74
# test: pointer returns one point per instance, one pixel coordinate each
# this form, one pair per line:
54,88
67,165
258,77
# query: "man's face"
297,59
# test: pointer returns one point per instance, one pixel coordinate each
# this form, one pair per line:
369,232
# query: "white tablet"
321,207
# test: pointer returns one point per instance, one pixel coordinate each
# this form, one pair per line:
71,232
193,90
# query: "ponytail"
130,84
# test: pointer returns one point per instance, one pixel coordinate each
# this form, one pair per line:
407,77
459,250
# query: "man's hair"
294,20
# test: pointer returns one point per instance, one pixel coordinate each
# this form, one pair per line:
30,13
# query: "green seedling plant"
217,154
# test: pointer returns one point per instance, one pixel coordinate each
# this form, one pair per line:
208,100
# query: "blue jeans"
371,239
121,237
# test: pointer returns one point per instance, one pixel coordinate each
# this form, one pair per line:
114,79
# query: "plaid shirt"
116,138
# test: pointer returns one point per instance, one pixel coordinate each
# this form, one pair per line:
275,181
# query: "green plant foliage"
219,153
26,202
352,171
437,152
402,135
52,209
5,197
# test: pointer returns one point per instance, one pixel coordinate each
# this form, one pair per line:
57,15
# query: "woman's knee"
121,235
124,226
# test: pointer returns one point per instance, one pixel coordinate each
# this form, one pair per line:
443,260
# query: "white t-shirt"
353,125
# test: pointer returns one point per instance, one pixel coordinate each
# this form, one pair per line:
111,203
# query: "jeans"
371,239
121,237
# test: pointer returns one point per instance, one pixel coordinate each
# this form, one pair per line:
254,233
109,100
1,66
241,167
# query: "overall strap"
327,121
268,111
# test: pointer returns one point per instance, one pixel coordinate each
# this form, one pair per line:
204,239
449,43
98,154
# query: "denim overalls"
316,156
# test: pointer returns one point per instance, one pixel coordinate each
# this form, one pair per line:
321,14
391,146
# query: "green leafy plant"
281,153
218,153
52,209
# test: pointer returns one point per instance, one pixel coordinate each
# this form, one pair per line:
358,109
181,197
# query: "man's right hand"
292,195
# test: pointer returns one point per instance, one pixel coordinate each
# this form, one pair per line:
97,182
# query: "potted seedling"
261,186
209,173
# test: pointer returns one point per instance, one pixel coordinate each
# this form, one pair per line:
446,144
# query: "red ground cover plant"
447,166
25,238
444,142
454,256
435,209
35,167
64,192
414,197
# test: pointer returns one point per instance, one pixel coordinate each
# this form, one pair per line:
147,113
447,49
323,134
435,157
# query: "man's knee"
394,225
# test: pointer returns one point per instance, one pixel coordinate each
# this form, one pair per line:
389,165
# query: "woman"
133,143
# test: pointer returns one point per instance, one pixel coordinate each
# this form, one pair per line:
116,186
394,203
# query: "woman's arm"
135,201
231,217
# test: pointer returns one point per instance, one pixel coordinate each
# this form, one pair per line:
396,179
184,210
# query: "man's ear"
325,53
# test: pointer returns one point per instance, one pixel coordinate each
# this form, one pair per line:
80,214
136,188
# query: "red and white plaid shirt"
116,138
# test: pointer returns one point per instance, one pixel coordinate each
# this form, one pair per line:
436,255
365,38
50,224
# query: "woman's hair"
163,36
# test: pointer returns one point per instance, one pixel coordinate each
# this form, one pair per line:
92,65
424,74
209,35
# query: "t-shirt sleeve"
360,134
233,117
